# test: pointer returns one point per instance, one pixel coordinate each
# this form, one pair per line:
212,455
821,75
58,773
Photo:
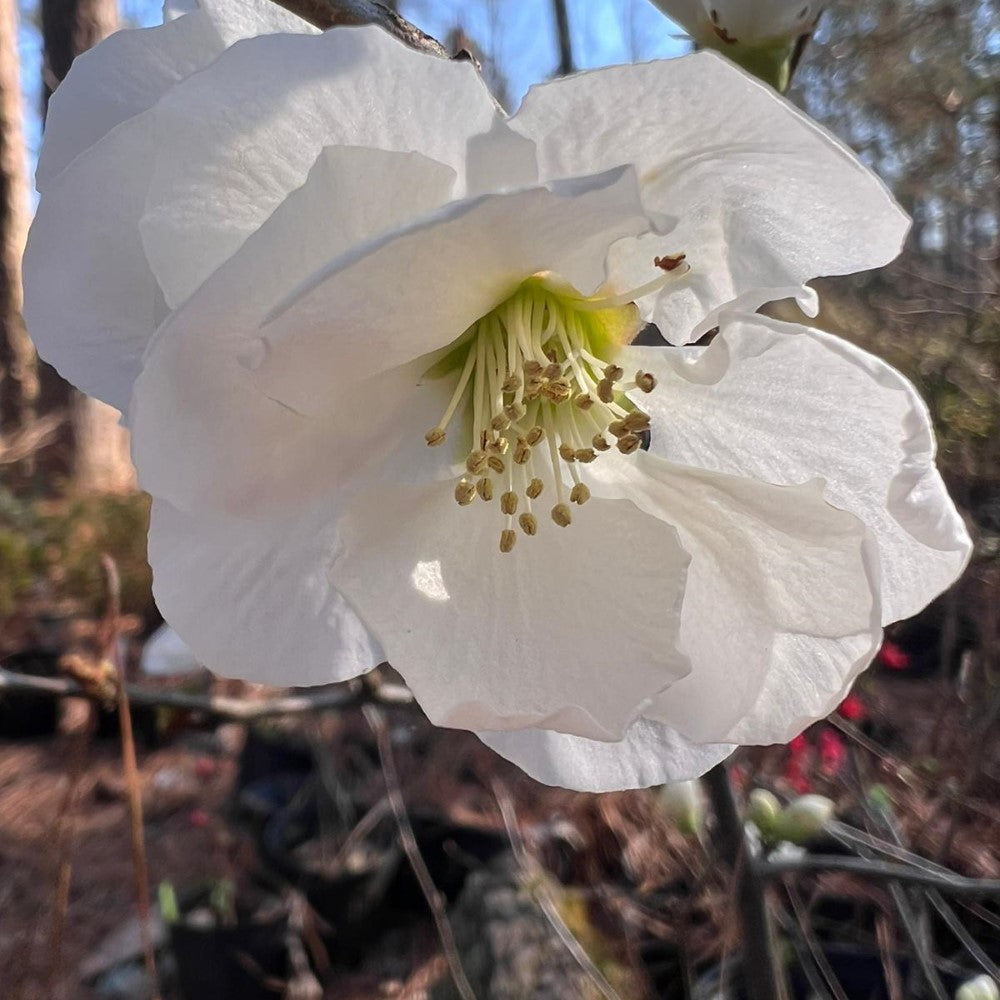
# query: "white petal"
783,403
649,754
166,654
234,140
760,195
781,608
237,19
417,291
203,432
90,301
574,630
500,160
123,76
253,599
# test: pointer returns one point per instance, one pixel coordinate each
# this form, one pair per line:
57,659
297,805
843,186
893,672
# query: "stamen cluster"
543,402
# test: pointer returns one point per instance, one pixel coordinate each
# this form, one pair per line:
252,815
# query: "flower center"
546,398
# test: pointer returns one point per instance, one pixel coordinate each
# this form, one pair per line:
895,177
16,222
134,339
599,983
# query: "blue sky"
518,34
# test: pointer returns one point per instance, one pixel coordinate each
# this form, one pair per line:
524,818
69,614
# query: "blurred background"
283,828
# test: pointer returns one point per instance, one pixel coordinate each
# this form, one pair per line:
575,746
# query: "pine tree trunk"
98,449
18,385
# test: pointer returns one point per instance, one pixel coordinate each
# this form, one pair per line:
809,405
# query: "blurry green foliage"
51,550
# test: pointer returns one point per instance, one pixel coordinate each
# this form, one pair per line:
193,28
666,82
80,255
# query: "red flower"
797,765
832,752
892,657
853,708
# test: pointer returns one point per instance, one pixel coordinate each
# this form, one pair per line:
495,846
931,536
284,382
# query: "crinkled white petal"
500,160
234,20
116,80
784,403
416,291
91,303
781,595
253,599
204,434
574,630
650,753
758,195
235,139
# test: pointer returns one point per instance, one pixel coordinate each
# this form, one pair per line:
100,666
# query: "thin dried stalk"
378,725
131,768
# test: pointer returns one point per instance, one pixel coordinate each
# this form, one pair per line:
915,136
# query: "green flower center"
540,384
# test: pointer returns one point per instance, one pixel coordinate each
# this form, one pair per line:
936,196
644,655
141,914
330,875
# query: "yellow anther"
511,383
507,540
508,503
561,515
534,490
513,412
646,381
522,452
500,422
617,428
606,391
434,436
495,462
600,442
485,488
465,492
498,446
529,524
558,391
567,453
583,400
534,435
585,455
579,494
628,443
636,421
532,368
476,462
613,373
552,370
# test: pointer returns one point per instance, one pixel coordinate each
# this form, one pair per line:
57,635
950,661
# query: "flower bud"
804,818
981,988
684,803
763,809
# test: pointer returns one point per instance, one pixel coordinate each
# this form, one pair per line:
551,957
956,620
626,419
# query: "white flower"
319,250
750,23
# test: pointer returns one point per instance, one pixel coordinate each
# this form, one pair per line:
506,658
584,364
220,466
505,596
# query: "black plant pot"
245,962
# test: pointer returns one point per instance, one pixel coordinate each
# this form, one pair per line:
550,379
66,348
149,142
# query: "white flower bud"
981,988
804,818
763,809
684,803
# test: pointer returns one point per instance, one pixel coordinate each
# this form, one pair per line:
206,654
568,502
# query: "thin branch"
325,14
887,871
562,34
233,709
956,927
407,838
764,974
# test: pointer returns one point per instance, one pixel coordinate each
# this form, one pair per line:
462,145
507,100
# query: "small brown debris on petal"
670,262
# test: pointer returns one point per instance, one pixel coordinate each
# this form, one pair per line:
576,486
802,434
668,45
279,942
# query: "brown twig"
224,708
131,769
376,720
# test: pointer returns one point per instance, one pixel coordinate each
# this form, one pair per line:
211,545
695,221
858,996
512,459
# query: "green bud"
804,818
684,803
763,809
981,988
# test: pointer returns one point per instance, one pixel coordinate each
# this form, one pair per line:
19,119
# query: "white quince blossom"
336,293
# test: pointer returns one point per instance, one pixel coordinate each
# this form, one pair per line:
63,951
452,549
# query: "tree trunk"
96,449
18,386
